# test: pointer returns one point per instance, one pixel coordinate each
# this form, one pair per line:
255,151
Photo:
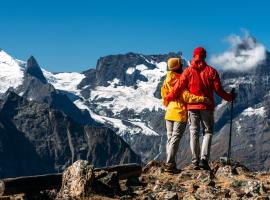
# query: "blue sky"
72,35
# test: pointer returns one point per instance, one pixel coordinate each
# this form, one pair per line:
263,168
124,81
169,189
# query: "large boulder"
77,181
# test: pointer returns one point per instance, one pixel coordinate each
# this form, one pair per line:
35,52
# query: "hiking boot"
171,168
195,166
204,165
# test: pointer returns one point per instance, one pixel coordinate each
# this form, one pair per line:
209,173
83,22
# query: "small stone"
138,192
189,197
152,179
241,170
252,187
167,186
204,176
248,195
185,175
227,193
237,184
149,196
182,189
263,190
211,183
206,193
193,188
226,171
170,196
126,197
111,179
156,188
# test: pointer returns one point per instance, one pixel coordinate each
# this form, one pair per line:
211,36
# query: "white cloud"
244,53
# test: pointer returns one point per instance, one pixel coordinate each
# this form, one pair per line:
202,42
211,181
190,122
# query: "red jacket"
201,81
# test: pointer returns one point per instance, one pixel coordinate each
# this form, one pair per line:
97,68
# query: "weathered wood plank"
124,171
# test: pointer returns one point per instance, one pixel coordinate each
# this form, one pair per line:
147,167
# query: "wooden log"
124,171
32,184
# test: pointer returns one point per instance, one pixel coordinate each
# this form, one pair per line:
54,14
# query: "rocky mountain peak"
122,67
247,43
34,69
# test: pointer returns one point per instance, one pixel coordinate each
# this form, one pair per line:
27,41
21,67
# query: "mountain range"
42,131
123,94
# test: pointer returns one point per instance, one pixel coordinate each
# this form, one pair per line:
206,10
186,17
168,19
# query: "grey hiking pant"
196,118
175,132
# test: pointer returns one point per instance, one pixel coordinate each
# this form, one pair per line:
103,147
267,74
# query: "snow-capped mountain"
123,92
65,81
114,99
43,131
11,72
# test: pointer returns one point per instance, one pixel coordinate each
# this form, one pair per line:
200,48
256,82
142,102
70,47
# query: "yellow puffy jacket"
176,110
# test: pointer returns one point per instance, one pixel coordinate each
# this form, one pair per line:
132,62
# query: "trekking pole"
230,135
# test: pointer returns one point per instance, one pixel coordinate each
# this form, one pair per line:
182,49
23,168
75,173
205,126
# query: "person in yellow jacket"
176,112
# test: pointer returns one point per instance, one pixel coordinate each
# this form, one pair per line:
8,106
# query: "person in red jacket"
202,80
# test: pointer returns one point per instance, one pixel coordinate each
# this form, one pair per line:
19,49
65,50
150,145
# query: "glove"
207,101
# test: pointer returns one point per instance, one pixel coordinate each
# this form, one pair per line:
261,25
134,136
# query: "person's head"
199,54
174,64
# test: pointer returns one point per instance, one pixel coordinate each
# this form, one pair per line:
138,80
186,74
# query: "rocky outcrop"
115,66
221,182
77,181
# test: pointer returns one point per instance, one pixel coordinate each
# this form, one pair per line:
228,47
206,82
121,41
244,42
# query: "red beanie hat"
199,51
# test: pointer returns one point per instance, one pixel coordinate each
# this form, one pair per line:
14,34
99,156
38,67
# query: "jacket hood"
199,65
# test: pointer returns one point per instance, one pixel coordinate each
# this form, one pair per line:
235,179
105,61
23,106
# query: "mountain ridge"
123,93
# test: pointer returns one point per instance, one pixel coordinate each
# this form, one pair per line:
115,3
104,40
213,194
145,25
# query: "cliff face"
38,139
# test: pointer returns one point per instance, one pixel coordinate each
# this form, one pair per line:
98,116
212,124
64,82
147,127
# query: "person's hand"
207,101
